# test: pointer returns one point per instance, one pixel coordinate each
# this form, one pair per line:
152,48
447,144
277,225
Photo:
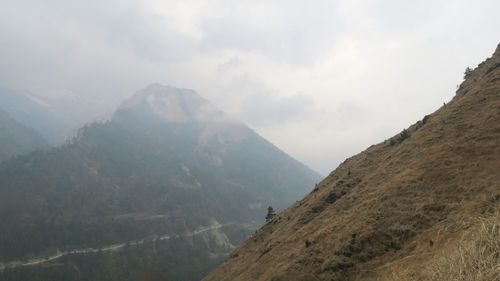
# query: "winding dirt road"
108,248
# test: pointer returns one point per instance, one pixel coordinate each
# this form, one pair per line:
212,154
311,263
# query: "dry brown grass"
408,211
474,257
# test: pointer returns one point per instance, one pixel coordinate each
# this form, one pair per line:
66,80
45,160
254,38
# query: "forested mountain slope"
169,176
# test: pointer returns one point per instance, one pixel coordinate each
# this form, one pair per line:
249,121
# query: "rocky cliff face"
396,209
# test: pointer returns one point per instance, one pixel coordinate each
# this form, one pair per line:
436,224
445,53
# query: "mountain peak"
173,105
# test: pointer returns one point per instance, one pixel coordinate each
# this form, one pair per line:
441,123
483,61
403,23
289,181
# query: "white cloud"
322,80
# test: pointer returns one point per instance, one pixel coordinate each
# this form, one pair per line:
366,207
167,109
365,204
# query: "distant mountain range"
161,191
16,139
33,114
56,119
422,205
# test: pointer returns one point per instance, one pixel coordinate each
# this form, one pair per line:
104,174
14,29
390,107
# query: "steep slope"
165,188
397,205
16,139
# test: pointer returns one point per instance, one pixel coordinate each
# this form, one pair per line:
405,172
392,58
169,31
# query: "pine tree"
468,72
270,213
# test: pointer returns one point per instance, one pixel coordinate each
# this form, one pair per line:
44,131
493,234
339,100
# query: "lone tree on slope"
468,72
270,213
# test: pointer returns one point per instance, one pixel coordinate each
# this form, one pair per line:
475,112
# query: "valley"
223,240
169,174
148,140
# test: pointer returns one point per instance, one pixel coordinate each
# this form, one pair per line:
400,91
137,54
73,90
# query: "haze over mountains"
56,119
165,188
169,185
422,205
16,139
99,183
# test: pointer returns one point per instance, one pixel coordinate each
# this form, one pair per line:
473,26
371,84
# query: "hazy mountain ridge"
208,133
145,173
57,117
16,139
174,105
397,207
33,114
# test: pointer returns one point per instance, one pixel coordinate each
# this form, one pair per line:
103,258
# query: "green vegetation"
270,213
308,243
403,135
139,177
468,71
151,261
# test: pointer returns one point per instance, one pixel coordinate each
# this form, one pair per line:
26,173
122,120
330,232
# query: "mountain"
56,116
16,139
163,190
423,205
33,113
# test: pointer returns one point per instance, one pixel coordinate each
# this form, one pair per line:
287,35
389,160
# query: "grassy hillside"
409,208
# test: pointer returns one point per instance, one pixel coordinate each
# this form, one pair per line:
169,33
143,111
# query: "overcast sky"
322,80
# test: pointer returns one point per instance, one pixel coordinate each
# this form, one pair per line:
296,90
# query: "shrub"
270,213
468,72
308,243
403,135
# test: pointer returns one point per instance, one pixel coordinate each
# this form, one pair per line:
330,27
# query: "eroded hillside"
400,204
